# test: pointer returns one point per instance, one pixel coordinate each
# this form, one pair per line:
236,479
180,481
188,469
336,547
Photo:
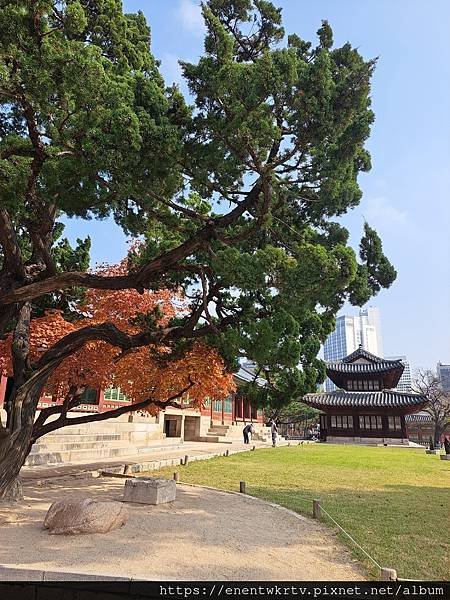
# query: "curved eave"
341,372
386,399
365,368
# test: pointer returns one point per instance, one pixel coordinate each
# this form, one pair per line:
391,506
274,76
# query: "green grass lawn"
394,502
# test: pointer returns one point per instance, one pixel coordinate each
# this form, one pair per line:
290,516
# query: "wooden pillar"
241,401
403,424
317,512
211,413
233,410
223,412
101,401
182,427
356,430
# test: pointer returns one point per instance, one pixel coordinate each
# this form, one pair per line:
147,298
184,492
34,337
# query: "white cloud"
190,15
381,212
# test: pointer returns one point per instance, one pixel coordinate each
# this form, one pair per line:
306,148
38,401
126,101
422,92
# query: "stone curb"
127,469
20,574
251,498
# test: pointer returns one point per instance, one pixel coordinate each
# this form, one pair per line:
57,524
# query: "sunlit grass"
394,502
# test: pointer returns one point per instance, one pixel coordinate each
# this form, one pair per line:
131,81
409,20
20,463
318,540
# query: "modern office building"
443,372
405,382
350,333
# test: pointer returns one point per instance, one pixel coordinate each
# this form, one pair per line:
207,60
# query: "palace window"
342,422
370,422
228,405
365,385
115,394
89,396
395,423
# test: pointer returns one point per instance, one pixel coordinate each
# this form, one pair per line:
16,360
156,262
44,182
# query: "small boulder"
85,515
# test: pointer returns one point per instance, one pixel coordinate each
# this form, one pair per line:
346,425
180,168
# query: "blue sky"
406,194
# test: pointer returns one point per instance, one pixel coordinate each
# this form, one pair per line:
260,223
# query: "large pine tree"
234,196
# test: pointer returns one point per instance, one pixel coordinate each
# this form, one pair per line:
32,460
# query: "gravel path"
203,535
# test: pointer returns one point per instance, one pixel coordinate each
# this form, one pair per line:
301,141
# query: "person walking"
274,432
247,431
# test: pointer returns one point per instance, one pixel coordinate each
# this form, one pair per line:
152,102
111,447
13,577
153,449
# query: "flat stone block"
11,574
149,490
433,451
68,576
445,456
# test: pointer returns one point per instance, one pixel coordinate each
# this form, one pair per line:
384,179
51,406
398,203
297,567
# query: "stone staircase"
228,434
93,441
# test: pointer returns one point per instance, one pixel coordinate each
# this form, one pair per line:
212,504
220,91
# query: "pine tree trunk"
13,454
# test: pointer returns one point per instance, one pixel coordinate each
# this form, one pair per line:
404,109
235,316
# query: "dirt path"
203,535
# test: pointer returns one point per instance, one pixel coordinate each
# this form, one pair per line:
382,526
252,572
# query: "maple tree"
197,374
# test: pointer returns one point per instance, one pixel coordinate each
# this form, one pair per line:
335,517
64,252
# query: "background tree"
294,416
438,407
234,197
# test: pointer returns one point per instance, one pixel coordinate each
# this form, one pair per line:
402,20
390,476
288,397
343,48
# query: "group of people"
250,430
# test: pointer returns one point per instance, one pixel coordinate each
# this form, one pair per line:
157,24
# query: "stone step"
105,427
85,442
50,440
207,438
81,445
99,437
91,454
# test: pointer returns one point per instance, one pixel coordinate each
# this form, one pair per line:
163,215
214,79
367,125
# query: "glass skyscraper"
405,382
350,332
443,372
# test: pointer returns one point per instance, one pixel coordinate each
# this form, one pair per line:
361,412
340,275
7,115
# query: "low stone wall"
372,441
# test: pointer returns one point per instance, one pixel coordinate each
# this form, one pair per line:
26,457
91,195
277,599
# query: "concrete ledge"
13,574
248,497
68,576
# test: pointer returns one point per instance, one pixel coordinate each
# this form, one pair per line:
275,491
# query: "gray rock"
149,490
85,515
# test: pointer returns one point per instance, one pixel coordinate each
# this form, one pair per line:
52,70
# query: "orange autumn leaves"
139,373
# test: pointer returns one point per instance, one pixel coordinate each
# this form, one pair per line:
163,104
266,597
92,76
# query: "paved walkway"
144,461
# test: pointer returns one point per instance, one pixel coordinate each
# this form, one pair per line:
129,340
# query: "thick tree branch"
112,414
142,277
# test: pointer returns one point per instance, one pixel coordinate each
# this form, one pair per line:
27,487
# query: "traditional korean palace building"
365,408
216,418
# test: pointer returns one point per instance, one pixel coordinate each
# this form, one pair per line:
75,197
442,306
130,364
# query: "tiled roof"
383,399
247,377
381,366
361,353
420,417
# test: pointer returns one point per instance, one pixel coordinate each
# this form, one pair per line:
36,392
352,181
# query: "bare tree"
428,382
